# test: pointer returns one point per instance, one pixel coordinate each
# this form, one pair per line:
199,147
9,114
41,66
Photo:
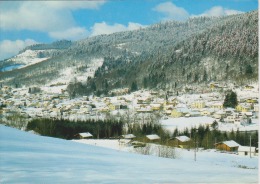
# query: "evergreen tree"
134,86
230,100
249,70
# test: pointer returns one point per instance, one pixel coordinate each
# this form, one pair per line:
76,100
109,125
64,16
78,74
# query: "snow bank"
28,158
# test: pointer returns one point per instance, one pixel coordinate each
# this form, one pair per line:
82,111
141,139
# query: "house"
180,141
128,136
217,106
152,138
114,106
251,100
179,111
230,146
256,107
156,106
84,135
206,112
243,107
198,105
248,87
219,114
245,151
230,119
213,85
171,101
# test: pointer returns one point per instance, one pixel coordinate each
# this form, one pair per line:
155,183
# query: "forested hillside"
163,56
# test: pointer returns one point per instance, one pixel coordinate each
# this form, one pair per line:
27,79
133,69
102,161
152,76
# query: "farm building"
227,146
84,135
180,141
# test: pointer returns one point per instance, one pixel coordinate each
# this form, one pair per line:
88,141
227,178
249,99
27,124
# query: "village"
189,108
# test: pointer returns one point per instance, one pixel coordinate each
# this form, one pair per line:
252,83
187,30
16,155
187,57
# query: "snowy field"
28,158
181,123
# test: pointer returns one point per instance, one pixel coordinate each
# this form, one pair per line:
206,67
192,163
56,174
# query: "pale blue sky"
27,22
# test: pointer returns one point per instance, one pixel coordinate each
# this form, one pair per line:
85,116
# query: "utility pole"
195,152
250,146
196,143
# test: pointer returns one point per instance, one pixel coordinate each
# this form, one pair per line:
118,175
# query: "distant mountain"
163,56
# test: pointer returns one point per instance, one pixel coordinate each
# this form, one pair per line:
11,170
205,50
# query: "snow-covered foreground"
28,158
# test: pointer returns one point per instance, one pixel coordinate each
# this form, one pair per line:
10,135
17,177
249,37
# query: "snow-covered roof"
246,148
183,138
128,136
85,134
231,143
153,137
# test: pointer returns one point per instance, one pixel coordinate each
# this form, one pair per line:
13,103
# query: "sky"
23,23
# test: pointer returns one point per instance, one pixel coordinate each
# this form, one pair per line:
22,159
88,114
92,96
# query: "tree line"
68,129
207,136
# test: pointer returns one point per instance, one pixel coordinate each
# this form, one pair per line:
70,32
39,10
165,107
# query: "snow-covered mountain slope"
26,58
28,158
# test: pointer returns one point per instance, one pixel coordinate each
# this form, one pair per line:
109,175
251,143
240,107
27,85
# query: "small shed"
245,151
231,146
84,135
180,141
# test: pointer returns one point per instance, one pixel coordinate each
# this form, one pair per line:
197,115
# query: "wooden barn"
180,141
84,135
231,146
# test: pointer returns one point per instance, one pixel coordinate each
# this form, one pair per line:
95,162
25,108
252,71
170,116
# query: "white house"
245,151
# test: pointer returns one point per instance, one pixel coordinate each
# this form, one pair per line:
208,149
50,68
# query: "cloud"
10,48
45,16
74,5
104,28
74,33
171,11
218,11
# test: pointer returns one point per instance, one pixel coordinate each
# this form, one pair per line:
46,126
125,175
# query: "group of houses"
44,104
183,142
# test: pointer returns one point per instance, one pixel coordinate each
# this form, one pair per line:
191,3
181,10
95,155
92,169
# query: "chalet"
245,151
230,146
84,135
180,141
152,138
